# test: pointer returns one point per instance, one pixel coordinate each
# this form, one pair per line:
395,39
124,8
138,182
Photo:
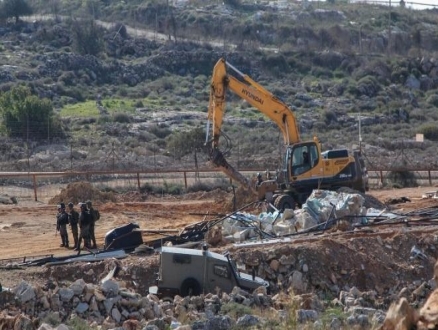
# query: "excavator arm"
255,94
226,77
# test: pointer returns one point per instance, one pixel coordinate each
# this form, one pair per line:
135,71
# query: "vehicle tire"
190,287
283,202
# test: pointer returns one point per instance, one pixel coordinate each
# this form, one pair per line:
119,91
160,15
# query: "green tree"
87,37
15,8
27,116
430,131
183,143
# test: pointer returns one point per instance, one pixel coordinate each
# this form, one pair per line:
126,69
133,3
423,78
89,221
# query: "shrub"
104,119
433,100
88,37
139,104
402,179
235,310
68,78
166,188
430,131
159,131
329,116
77,323
122,118
208,186
145,137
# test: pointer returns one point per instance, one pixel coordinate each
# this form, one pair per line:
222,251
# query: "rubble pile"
322,210
110,305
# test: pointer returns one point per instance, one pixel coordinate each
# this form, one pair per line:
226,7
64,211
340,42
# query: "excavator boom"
254,94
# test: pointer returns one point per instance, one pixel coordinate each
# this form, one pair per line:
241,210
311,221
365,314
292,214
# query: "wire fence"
43,186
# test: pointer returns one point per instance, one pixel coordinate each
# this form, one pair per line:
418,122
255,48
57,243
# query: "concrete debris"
417,253
430,194
6,199
323,208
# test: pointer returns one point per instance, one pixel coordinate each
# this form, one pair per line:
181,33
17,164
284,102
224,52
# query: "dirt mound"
132,196
80,192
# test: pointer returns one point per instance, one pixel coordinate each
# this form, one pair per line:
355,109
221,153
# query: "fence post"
35,187
381,178
185,179
138,181
430,177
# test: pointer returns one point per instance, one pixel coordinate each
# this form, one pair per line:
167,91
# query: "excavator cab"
303,158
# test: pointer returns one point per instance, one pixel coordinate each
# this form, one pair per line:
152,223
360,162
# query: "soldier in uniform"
61,225
84,226
95,216
73,218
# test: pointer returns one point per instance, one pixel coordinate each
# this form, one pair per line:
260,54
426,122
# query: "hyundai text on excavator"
305,167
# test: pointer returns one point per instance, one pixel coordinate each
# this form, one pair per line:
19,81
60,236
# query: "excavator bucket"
219,161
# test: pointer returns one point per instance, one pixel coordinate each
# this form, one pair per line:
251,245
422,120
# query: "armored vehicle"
190,272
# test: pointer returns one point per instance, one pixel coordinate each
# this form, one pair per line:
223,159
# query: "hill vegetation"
134,77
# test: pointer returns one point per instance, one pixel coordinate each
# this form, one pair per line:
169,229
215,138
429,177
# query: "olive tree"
185,142
27,116
88,37
15,8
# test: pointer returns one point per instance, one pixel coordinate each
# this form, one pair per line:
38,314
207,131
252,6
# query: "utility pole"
71,157
27,128
389,29
360,134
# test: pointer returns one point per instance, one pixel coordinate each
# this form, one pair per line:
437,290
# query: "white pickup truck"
191,272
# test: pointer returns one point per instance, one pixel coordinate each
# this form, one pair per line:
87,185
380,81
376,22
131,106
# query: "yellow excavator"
305,167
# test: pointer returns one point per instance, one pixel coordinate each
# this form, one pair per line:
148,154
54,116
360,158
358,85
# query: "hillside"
143,75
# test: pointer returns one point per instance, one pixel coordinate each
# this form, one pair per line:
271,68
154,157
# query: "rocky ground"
366,268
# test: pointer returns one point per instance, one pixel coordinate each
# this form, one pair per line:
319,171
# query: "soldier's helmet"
62,206
70,204
88,203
